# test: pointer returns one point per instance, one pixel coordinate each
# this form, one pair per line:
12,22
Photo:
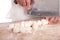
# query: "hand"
26,3
53,19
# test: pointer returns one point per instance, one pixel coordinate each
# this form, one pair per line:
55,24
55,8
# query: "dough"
44,22
25,27
35,26
16,28
39,22
11,26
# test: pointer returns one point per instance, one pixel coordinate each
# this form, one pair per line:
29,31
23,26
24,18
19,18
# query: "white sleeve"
5,6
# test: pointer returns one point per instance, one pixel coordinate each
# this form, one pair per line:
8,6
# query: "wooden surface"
46,32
